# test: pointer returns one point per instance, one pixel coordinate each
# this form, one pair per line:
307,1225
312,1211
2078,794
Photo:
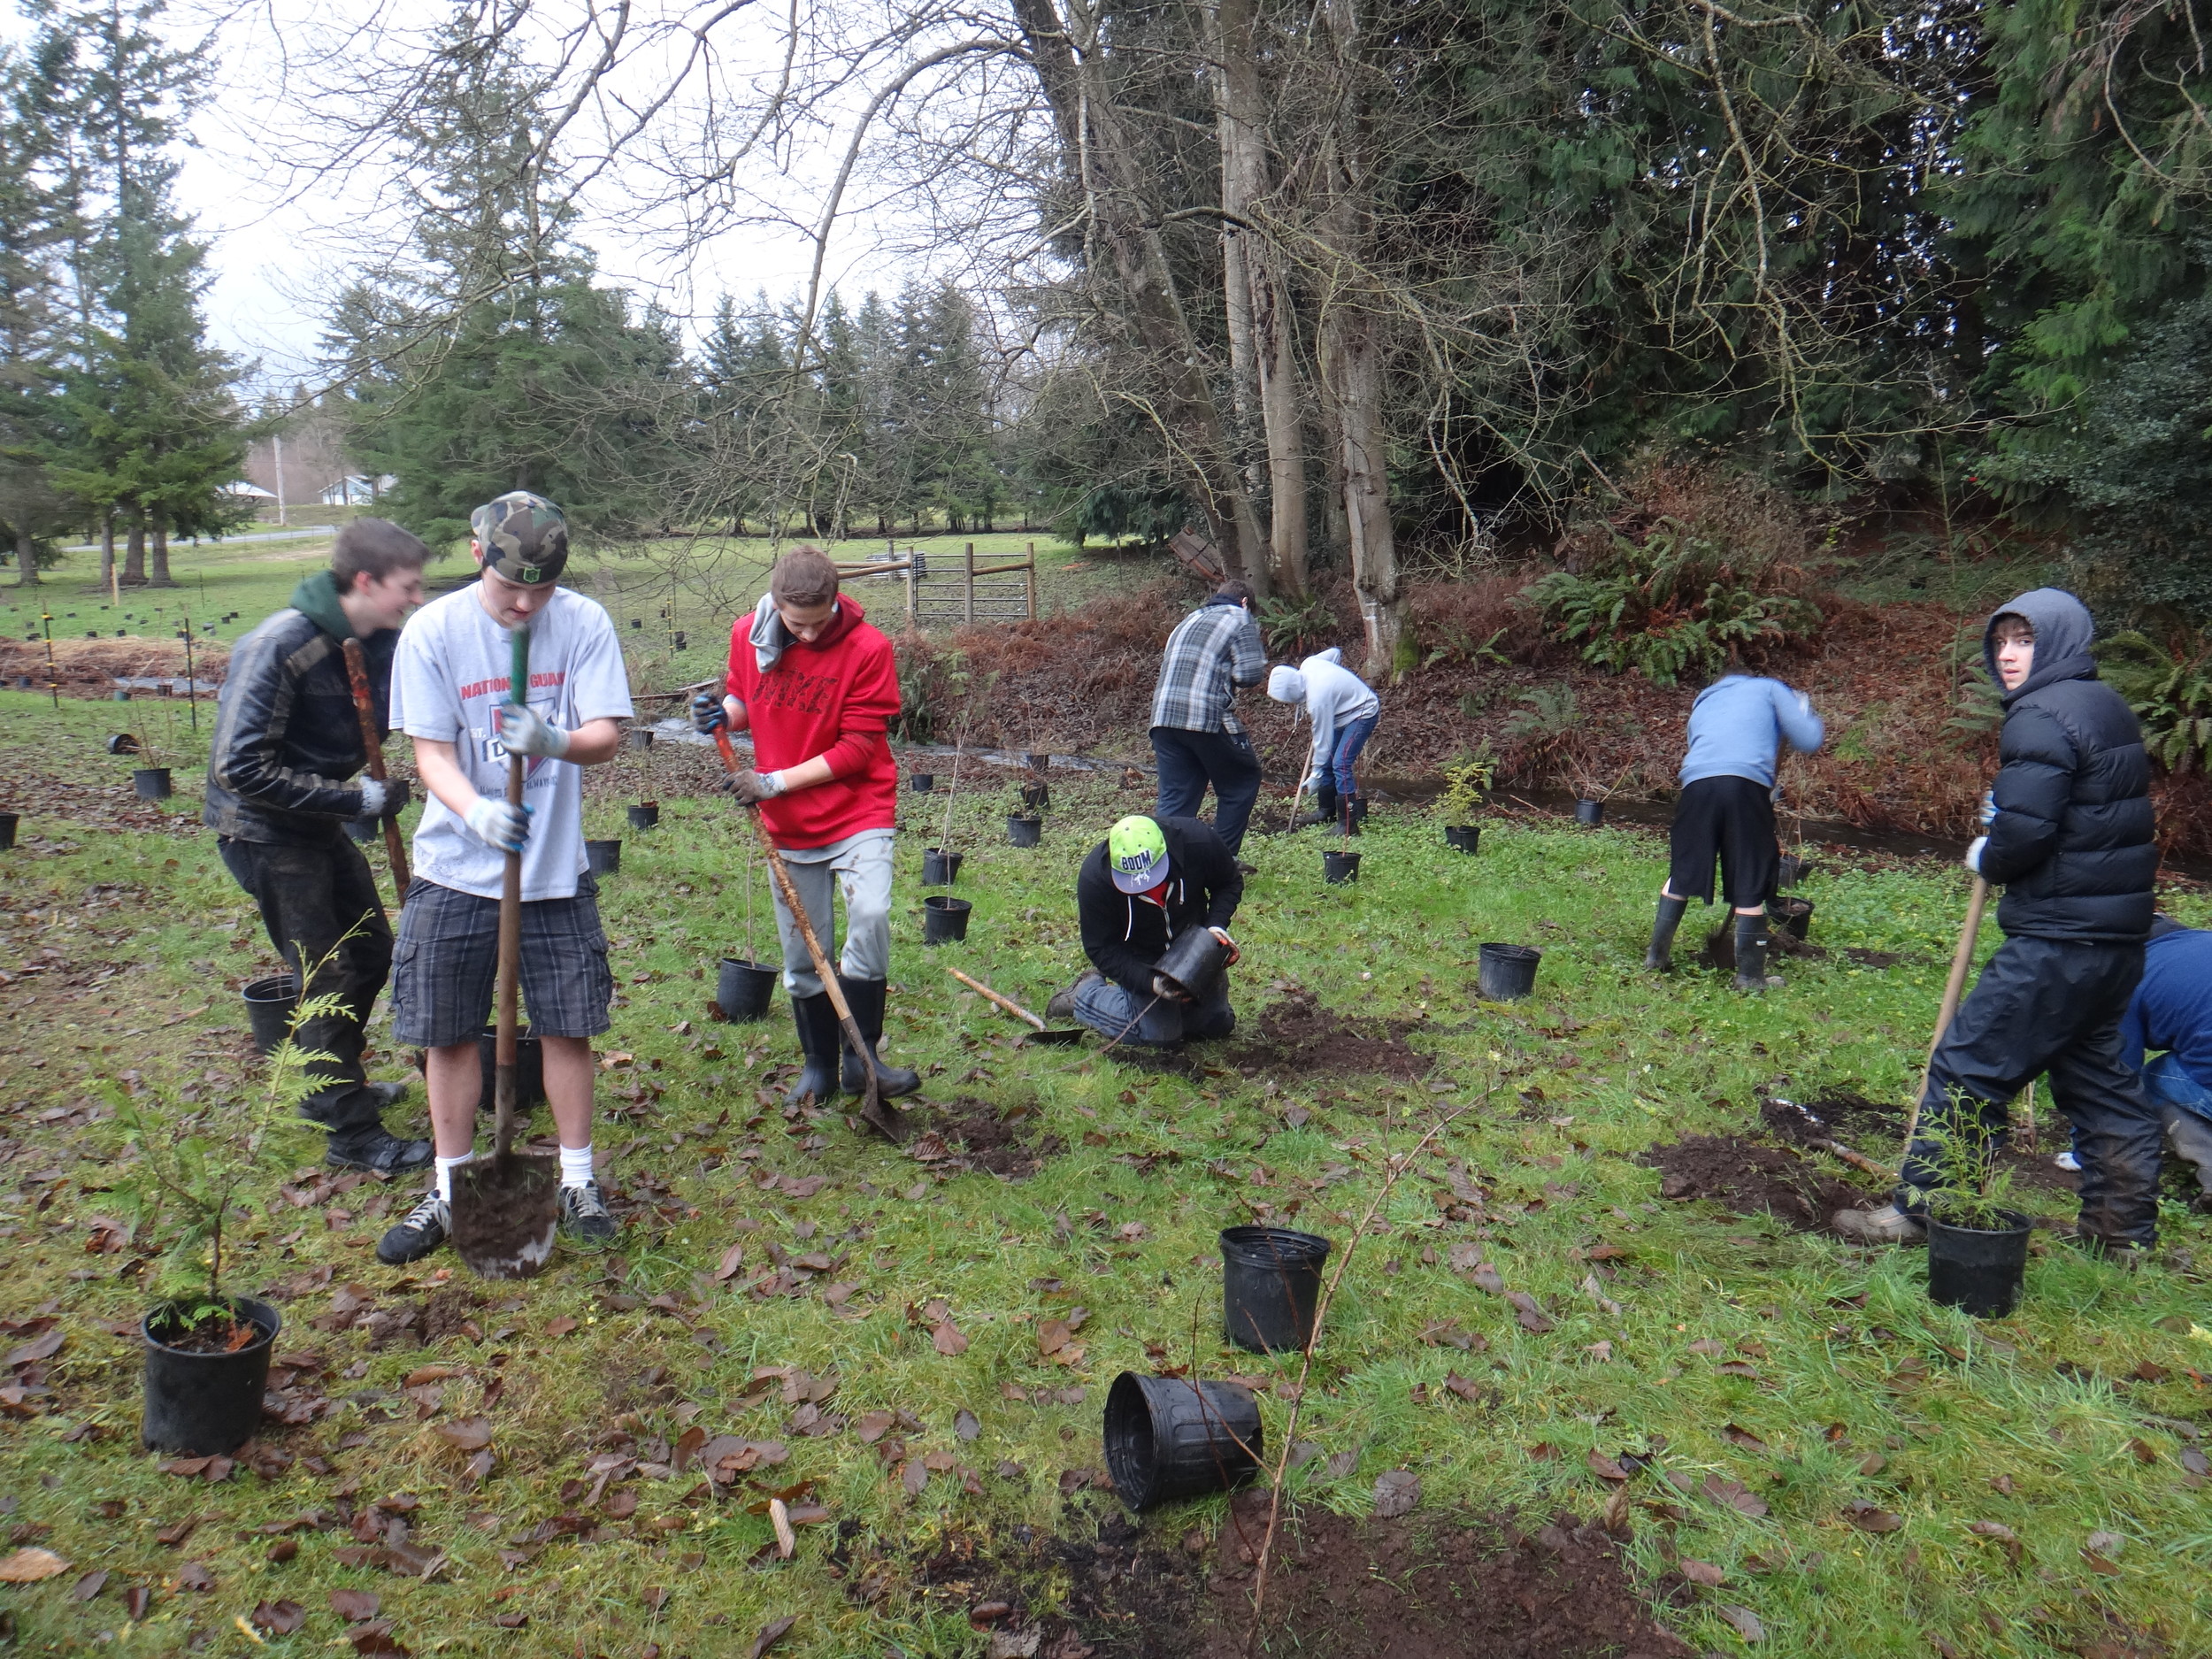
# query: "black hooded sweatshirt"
2072,844
1123,936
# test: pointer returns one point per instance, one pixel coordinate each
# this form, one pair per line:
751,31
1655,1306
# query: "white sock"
576,1165
446,1166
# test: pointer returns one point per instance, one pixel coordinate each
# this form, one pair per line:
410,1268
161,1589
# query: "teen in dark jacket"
2069,838
1148,882
280,790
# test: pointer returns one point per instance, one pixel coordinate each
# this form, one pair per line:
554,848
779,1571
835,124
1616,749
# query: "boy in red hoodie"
818,688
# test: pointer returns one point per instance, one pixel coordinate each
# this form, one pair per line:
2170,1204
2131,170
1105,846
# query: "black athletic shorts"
448,954
1733,820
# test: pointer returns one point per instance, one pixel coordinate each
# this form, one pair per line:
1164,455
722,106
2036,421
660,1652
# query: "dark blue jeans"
2043,1006
1158,1021
1344,757
1191,760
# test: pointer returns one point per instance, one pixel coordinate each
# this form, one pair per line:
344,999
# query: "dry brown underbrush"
92,666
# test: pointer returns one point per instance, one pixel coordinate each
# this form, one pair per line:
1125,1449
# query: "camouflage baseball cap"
522,536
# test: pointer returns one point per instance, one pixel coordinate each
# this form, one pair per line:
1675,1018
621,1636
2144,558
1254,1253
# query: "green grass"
1621,1060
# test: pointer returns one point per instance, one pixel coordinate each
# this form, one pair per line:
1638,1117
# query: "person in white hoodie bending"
1737,726
1343,710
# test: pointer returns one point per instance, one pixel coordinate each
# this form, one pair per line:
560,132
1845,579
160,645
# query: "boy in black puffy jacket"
2070,840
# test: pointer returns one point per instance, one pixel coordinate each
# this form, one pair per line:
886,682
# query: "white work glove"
1973,859
1164,988
1989,808
1227,944
383,797
493,821
524,732
372,797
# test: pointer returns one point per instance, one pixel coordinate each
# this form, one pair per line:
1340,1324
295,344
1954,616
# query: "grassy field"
654,590
1807,1444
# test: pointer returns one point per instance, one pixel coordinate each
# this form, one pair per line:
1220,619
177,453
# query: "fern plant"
1674,603
1290,625
2170,692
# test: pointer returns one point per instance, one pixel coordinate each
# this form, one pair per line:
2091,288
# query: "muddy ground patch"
1295,1036
974,1135
1753,1178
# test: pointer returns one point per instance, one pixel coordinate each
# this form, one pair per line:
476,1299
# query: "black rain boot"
816,1022
1324,805
1751,953
865,998
1660,957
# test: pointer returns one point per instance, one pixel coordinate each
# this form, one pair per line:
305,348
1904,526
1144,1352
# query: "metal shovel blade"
506,1211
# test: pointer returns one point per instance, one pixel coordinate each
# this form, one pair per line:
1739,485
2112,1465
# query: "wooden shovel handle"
1006,1002
1953,988
511,922
364,706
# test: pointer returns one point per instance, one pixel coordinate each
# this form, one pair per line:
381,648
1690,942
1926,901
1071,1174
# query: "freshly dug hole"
977,1135
1294,1036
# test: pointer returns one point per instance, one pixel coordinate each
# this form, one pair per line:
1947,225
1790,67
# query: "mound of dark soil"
1877,1129
1296,1036
1442,1587
1432,1587
1750,1177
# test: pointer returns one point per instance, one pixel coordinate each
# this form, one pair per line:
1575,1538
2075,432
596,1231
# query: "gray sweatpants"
861,866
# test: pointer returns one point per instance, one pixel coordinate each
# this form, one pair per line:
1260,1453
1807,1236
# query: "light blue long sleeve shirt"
1738,724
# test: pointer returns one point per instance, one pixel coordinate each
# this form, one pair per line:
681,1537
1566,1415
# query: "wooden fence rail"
985,593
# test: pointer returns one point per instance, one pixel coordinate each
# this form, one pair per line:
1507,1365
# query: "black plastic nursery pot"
151,782
529,1069
1170,1438
122,743
1025,829
1462,838
1036,797
1789,870
1337,868
1977,1270
1271,1280
122,695
944,919
742,988
644,815
640,737
1194,961
1505,972
1592,812
680,640
269,1004
204,1404
1793,917
939,868
7,831
604,857
922,782
1038,763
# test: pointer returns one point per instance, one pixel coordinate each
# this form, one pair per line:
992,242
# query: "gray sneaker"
423,1232
584,1216
1062,1004
1886,1225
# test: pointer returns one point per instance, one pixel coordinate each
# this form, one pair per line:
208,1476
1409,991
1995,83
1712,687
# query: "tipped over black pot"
1166,1438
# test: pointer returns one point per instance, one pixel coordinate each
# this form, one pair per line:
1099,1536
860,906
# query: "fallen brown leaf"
1735,1494
194,1575
1603,1467
1703,1572
469,1434
1744,1621
1870,1518
1737,1435
1396,1493
30,1566
561,1326
770,1635
946,1339
279,1618
354,1606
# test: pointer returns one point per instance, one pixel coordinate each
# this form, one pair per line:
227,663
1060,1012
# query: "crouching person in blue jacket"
2172,1010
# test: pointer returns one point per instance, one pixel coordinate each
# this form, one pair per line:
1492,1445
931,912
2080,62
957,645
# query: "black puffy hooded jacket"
2072,844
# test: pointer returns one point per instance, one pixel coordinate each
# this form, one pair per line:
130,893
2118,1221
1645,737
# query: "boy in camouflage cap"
449,692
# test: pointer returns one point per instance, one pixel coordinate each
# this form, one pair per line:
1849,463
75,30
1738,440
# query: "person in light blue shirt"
1738,727
1343,709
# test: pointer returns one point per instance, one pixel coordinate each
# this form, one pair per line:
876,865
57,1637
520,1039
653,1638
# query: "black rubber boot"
865,998
816,1022
1751,953
1325,804
1660,957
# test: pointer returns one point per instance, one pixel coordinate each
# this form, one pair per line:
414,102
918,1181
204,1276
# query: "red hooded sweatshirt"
835,698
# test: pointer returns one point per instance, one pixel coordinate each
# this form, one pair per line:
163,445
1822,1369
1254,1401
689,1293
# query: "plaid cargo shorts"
447,954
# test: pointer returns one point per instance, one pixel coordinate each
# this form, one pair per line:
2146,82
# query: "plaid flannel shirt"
1212,651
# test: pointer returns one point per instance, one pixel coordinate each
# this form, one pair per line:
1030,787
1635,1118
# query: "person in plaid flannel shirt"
1213,653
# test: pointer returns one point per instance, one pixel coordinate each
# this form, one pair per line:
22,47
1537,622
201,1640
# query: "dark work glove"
752,787
708,716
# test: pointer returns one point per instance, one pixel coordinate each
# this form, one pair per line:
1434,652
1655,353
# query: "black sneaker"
584,1216
377,1150
423,1232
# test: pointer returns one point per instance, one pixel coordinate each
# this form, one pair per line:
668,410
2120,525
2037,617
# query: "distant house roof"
239,486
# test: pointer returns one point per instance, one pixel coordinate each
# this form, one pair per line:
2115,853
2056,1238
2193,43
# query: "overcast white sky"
276,256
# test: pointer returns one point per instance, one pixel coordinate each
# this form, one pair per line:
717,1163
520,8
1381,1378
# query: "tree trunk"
25,559
159,575
1090,123
1352,352
134,553
107,550
1263,358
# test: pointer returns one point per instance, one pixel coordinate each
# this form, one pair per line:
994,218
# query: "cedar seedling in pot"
192,1185
1466,782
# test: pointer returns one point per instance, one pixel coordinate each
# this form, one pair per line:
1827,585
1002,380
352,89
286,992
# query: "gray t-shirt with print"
451,671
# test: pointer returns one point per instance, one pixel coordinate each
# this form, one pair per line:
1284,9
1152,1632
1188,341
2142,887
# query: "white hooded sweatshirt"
1334,697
